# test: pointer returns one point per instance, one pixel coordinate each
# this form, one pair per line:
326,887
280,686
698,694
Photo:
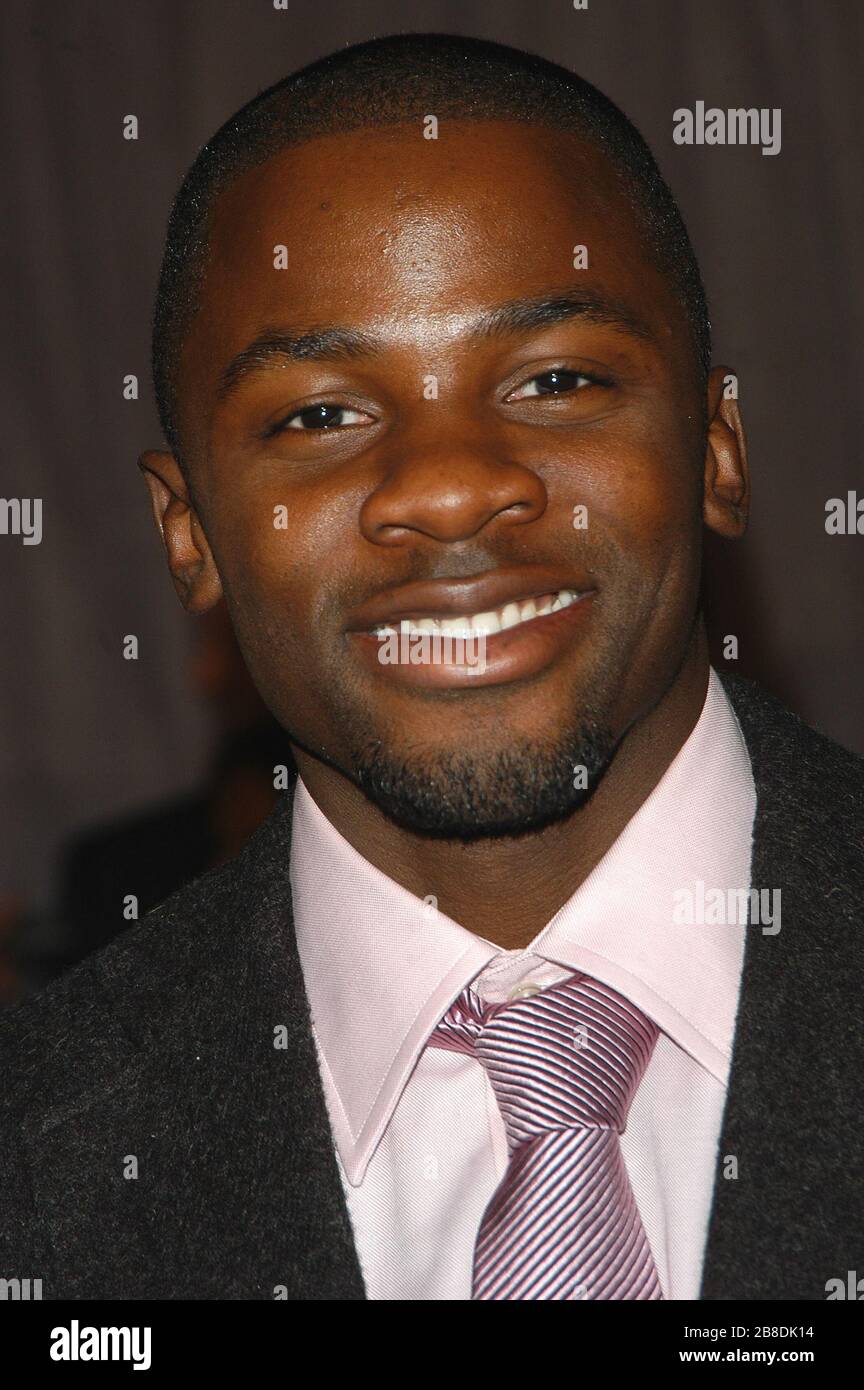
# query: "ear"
190,559
726,503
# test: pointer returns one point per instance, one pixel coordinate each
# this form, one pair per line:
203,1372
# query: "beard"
508,791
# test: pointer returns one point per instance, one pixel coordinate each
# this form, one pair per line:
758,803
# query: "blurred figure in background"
153,852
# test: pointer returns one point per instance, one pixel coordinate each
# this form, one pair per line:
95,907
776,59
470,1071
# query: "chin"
516,789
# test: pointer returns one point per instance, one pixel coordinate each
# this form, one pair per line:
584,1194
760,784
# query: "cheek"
282,552
643,489
256,546
265,538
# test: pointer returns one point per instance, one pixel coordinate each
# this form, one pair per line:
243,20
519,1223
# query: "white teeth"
496,620
510,615
486,622
455,627
529,610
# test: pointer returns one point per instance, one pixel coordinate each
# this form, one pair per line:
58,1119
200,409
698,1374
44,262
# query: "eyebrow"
275,347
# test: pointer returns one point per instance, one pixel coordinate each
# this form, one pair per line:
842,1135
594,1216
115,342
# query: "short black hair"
394,80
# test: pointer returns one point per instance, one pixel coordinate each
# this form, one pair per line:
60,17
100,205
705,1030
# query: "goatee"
470,796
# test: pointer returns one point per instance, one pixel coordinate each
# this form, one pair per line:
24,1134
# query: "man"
541,983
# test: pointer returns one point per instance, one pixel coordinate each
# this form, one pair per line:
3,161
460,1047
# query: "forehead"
390,169
374,209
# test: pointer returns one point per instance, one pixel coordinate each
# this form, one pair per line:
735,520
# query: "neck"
506,890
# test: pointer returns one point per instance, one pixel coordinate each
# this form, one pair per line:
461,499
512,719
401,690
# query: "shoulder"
97,1015
789,755
809,827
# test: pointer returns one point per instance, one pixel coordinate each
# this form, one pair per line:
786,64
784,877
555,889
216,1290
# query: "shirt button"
525,990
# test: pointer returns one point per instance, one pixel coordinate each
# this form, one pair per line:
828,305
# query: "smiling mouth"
509,615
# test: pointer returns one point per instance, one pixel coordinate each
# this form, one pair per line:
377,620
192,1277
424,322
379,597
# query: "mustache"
600,560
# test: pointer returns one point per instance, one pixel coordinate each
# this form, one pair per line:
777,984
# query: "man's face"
453,466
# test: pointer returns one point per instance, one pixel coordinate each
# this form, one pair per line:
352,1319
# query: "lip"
456,597
517,653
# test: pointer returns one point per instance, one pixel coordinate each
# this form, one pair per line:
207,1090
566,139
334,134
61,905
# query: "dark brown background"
85,734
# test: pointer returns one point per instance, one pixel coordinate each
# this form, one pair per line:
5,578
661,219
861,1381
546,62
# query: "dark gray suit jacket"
160,1049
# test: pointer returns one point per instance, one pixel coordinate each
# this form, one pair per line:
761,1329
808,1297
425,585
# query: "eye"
320,416
556,382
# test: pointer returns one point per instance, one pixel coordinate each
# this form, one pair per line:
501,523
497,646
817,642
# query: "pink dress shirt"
419,1138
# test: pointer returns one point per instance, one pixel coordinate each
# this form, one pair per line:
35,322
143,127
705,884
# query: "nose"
449,487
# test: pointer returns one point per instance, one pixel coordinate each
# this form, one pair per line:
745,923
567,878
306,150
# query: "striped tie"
564,1064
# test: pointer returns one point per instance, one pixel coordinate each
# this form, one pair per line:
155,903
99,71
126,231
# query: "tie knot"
571,1055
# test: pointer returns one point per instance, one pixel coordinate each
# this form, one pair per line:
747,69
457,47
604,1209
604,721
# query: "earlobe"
190,559
726,502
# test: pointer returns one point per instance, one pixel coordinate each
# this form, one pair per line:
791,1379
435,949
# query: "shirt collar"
381,967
